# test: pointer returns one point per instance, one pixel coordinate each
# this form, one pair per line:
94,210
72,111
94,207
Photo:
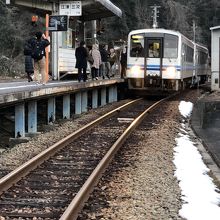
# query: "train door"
153,62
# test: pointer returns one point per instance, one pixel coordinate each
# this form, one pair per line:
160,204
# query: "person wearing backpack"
39,43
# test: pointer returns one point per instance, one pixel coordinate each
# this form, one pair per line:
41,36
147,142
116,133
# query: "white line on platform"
33,85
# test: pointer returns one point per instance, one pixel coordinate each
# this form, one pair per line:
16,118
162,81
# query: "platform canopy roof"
91,9
100,9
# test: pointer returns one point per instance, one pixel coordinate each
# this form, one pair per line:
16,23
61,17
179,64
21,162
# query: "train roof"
201,47
166,31
156,30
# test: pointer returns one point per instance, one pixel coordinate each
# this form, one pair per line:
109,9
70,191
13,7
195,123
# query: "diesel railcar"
164,60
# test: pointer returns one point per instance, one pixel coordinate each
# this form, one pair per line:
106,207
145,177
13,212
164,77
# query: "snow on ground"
200,196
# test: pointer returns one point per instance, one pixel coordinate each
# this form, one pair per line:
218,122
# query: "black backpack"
37,50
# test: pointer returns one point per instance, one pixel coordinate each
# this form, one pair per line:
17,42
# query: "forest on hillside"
173,14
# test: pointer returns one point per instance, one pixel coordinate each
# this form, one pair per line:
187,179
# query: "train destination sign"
58,23
71,8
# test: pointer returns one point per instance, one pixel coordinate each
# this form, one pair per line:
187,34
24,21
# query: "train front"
152,62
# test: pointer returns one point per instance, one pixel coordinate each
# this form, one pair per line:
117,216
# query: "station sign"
70,8
58,23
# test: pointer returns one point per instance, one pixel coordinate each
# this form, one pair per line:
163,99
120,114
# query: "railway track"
56,183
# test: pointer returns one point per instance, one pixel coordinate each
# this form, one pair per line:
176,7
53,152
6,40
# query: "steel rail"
71,213
13,177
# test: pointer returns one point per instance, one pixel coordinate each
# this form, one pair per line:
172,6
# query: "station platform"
20,90
205,121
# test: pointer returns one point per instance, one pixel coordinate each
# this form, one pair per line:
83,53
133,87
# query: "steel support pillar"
219,64
115,94
51,110
103,96
84,101
94,29
82,31
32,117
66,106
94,98
55,48
111,94
55,54
19,121
78,103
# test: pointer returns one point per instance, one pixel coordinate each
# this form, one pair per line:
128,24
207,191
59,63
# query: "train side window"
188,53
183,52
202,57
137,45
170,46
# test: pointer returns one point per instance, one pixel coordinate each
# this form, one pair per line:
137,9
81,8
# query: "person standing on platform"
112,61
123,62
81,61
97,61
105,66
39,43
29,66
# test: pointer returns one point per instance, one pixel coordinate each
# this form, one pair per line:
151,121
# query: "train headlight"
171,70
135,71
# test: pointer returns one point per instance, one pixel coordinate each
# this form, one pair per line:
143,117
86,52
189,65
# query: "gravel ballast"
140,184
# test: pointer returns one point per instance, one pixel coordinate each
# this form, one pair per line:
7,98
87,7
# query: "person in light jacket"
112,61
97,61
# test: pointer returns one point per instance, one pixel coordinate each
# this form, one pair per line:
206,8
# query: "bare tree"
176,18
143,14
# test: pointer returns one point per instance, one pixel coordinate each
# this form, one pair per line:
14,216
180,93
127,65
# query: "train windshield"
137,45
154,46
170,46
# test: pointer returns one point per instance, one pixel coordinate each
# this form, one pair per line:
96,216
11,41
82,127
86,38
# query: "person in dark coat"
123,62
105,66
29,67
81,61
